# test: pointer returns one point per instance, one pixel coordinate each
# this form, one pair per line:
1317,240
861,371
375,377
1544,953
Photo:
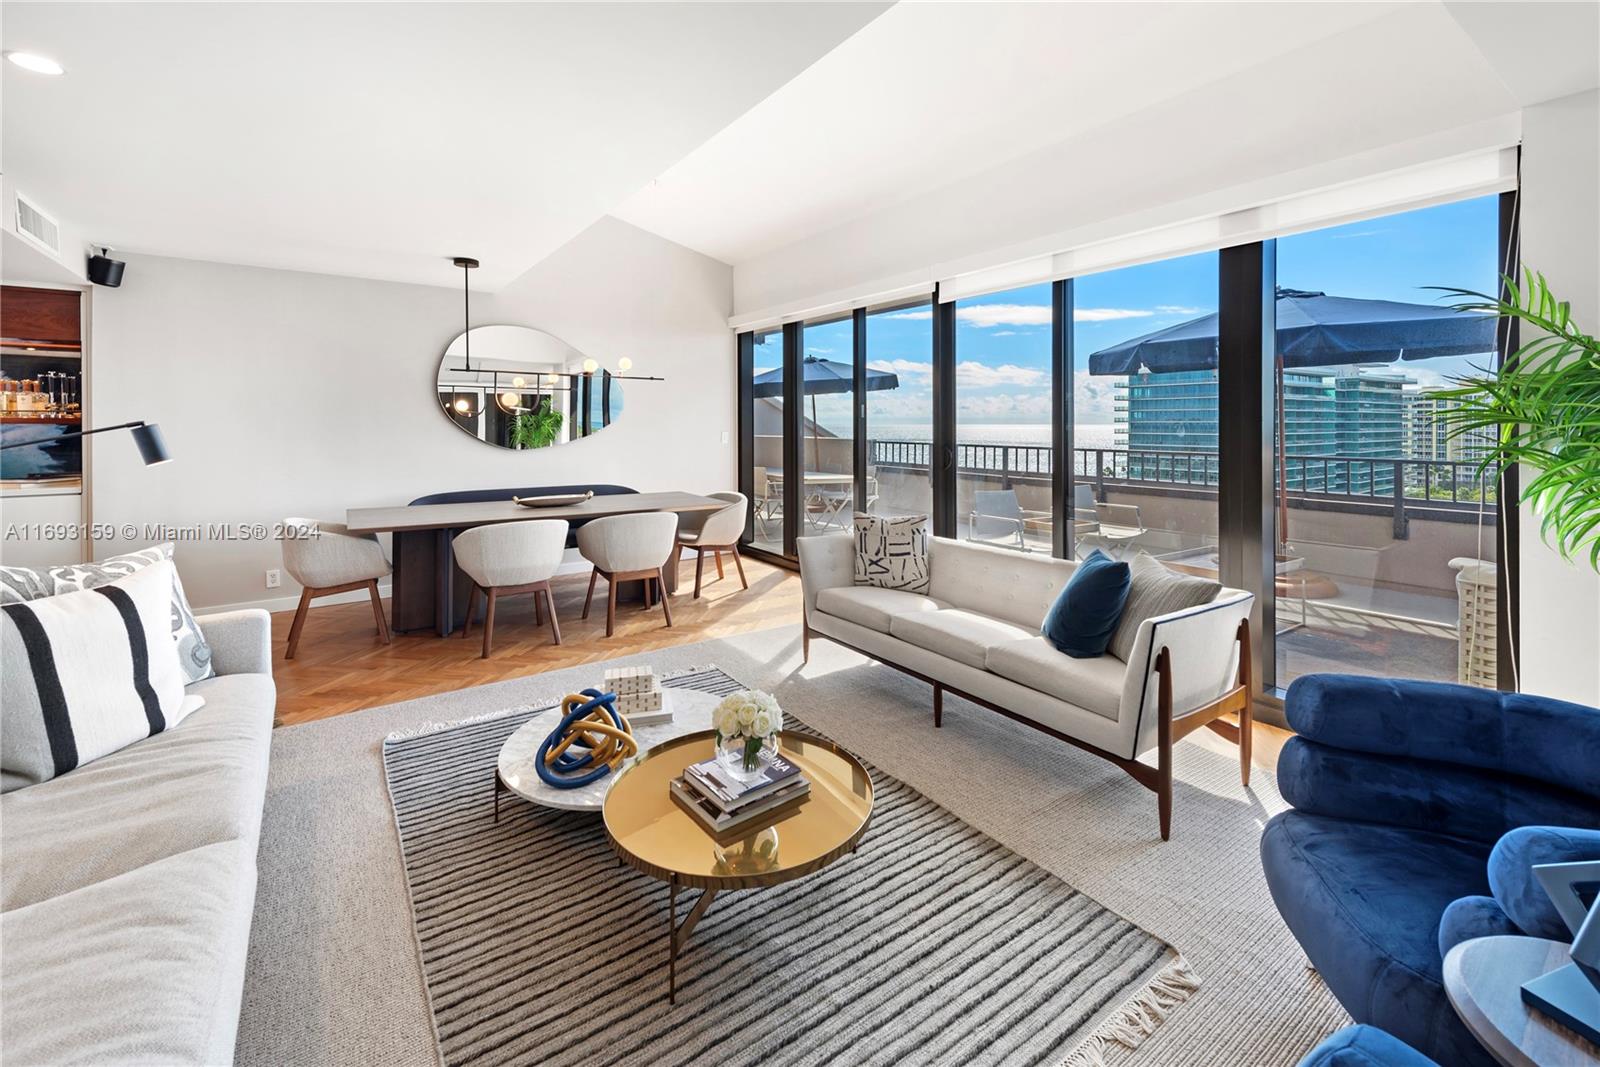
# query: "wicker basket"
1478,636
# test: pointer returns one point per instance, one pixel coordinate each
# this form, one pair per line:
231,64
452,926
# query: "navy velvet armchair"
1400,843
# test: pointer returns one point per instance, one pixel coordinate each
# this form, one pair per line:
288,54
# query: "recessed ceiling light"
36,63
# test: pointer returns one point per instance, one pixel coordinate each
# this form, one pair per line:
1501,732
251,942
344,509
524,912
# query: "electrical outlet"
724,436
274,578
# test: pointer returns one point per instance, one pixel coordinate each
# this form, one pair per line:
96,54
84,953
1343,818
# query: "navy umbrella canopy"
820,375
1314,330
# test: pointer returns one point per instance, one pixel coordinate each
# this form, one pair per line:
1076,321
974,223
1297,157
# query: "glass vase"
745,759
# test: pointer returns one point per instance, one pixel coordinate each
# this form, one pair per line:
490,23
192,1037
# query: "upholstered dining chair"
508,559
627,548
715,532
326,559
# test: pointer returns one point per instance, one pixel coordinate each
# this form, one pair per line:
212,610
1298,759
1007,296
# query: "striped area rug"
931,944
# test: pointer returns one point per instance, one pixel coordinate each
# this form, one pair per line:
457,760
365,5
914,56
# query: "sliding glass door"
1145,448
1004,450
765,425
1387,536
827,446
899,406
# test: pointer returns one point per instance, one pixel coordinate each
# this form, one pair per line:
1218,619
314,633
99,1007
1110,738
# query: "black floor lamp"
152,449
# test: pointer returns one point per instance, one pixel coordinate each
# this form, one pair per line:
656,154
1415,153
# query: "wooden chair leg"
611,607
593,575
699,570
299,620
805,642
538,609
377,611
665,607
739,563
1245,734
550,607
716,553
488,622
472,606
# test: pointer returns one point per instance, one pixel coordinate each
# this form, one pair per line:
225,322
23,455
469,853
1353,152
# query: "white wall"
283,393
1561,237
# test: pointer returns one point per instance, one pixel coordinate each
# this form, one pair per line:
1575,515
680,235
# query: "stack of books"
724,805
640,698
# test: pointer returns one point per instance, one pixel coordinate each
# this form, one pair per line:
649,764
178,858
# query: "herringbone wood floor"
342,666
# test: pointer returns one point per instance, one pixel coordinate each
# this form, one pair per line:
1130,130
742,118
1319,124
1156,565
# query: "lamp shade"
152,448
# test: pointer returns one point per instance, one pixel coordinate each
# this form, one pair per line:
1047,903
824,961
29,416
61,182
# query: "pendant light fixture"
466,403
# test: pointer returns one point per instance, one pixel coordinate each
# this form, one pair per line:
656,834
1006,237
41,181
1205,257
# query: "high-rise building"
1339,425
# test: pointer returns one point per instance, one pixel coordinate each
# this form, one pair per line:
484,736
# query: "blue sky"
1002,340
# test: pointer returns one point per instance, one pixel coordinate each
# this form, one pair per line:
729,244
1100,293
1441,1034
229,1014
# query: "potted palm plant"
1542,410
537,428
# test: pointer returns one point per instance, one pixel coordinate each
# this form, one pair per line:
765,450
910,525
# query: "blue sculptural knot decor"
590,742
1571,994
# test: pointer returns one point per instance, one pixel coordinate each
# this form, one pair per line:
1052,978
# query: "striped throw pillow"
86,674
1156,590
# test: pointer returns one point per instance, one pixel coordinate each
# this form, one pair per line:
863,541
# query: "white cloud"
1093,396
1108,314
919,316
1005,333
1178,309
1004,407
987,315
975,375
906,368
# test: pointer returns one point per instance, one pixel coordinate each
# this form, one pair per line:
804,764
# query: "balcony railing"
1441,485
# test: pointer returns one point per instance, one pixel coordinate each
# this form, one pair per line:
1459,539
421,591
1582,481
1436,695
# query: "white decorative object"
625,680
747,725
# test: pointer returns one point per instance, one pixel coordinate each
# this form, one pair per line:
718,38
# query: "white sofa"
976,634
128,884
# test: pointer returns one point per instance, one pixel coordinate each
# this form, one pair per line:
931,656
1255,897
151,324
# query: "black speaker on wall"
103,270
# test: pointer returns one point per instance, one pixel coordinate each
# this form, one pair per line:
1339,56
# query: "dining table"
427,589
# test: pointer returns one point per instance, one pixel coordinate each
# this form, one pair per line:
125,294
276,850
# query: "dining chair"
326,559
508,559
628,548
1084,525
769,499
715,532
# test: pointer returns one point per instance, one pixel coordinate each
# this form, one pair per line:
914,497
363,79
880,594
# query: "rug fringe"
1138,1018
537,704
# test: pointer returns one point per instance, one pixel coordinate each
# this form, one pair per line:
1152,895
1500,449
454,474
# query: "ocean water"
1087,435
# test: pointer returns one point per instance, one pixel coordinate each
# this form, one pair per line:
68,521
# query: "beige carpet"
333,974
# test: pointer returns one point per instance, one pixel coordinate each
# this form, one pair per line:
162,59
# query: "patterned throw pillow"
892,553
85,674
19,585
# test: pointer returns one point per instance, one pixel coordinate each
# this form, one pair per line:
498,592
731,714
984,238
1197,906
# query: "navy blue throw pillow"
1086,612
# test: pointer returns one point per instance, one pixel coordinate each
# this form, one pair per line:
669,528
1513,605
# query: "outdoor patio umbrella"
818,376
1313,330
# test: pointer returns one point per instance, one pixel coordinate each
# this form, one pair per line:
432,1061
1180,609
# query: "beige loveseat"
976,634
127,885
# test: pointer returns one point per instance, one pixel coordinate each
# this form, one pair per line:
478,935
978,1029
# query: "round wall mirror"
517,387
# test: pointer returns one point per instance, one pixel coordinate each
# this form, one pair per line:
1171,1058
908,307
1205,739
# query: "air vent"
38,227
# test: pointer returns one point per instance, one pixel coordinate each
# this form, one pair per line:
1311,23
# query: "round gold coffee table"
652,834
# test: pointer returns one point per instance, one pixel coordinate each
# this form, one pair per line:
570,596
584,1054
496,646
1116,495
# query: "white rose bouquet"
749,722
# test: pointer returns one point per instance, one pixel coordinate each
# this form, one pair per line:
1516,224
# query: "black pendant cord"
466,311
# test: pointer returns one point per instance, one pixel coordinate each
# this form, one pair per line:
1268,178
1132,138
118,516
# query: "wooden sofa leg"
1164,742
805,642
938,706
1245,734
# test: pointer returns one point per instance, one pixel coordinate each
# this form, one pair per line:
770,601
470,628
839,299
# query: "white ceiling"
928,95
379,139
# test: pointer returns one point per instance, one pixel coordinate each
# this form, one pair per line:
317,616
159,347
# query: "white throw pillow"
892,553
20,584
1155,590
86,674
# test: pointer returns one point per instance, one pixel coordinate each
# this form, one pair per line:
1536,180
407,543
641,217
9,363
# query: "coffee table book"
708,778
721,824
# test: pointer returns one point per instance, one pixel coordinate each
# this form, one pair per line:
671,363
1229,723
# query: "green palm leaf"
1543,408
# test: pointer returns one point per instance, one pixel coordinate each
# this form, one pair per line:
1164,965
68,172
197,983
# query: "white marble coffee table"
517,774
